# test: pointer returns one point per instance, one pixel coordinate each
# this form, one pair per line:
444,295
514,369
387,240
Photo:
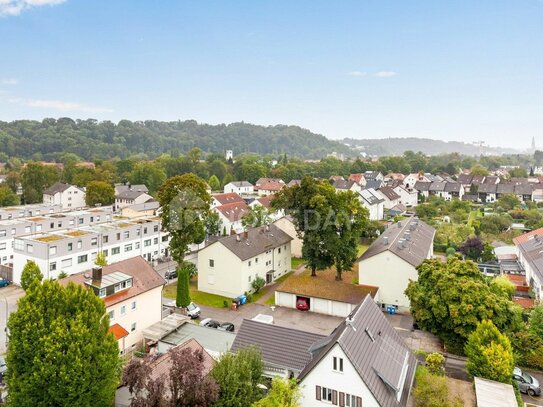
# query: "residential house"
465,179
294,182
129,195
423,189
286,224
231,216
410,180
373,202
239,187
504,188
264,180
270,188
477,180
228,266
343,186
437,188
373,175
334,178
391,261
524,192
537,195
148,208
529,248
266,202
389,196
73,251
66,195
374,184
23,211
225,199
408,197
285,351
397,177
487,192
453,190
132,292
358,178
363,362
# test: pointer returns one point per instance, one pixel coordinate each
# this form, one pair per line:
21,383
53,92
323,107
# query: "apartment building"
74,251
10,229
66,195
24,211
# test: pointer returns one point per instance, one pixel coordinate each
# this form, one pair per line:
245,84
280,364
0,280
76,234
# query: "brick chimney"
97,274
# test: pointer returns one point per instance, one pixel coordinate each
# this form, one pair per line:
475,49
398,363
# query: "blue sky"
452,70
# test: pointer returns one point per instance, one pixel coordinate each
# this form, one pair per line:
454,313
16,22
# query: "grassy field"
362,248
198,297
296,262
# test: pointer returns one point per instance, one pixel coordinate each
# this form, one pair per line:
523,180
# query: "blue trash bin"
391,309
242,299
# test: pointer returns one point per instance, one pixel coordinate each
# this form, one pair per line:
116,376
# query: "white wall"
347,381
288,227
317,305
72,198
391,274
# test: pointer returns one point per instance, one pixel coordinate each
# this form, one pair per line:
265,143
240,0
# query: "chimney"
238,238
267,228
246,234
400,224
385,240
97,274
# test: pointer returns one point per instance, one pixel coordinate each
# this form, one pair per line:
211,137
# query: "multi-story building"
132,292
74,251
66,195
23,211
38,224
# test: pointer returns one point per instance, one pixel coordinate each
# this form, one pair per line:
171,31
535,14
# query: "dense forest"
397,146
90,139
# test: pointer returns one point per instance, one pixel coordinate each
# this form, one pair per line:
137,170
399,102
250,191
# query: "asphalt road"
8,299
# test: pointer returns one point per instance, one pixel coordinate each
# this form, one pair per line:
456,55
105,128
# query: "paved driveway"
8,296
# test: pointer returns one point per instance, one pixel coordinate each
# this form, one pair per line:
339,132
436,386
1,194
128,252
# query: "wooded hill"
90,139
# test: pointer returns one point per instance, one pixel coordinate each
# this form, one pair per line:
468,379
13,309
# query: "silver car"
526,383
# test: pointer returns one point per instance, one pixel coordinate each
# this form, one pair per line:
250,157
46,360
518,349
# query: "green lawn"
198,297
361,249
296,262
270,301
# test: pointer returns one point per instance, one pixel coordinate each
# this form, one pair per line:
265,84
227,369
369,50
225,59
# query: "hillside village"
384,332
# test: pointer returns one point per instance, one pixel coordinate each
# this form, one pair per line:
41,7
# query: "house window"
338,364
70,246
279,250
133,306
115,250
128,247
2,246
94,241
350,400
137,245
147,243
326,394
211,263
256,260
249,263
155,240
80,221
110,313
29,248
105,239
123,310
71,222
155,228
249,278
79,244
82,259
144,230
53,266
126,234
133,327
118,236
66,263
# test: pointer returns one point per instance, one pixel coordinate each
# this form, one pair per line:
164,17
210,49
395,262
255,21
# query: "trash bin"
234,306
391,309
236,301
242,299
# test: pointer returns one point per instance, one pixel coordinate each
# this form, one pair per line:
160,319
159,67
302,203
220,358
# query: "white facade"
239,188
391,274
324,376
408,197
74,251
122,201
286,225
222,272
410,180
71,198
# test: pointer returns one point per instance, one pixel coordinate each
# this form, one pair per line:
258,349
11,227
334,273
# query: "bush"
450,251
431,390
258,283
435,364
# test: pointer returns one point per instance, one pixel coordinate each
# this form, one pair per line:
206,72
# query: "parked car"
193,310
3,283
3,367
168,275
210,323
526,383
226,326
302,303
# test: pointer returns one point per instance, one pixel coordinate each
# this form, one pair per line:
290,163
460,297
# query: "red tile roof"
525,303
228,198
527,236
234,211
271,186
118,331
356,178
265,201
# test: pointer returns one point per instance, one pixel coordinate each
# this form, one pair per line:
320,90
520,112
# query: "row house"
24,211
11,229
128,195
74,251
342,185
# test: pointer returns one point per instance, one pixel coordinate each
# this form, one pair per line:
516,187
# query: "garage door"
340,309
319,305
285,299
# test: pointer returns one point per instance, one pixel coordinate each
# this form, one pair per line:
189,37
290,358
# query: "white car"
193,310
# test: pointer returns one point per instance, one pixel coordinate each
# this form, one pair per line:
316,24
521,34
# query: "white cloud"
60,105
385,74
16,7
357,73
10,81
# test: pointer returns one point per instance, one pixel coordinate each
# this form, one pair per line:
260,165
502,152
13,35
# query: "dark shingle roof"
258,240
523,189
505,188
240,184
491,179
465,178
56,188
422,186
281,347
370,196
374,183
487,188
478,179
138,187
342,184
389,193
375,350
452,187
130,194
437,186
414,251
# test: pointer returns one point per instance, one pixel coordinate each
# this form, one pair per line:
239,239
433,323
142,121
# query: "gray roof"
56,188
258,240
422,186
478,179
130,194
126,187
370,196
389,193
491,179
531,247
437,186
371,175
240,184
505,188
465,178
494,394
375,350
342,184
487,188
281,347
211,339
394,239
453,187
523,189
373,183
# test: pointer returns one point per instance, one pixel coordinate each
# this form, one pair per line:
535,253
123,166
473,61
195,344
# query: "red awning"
118,331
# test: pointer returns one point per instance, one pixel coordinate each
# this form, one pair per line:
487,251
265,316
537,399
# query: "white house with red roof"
225,199
230,216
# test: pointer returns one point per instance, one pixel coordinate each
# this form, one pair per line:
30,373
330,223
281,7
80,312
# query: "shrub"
435,364
450,251
431,390
258,283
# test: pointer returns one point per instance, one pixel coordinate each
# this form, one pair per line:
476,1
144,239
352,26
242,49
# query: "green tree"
283,393
31,272
508,202
213,224
61,352
309,205
148,174
182,299
35,177
214,183
101,259
431,390
256,217
435,363
479,170
99,192
185,206
450,299
8,197
238,376
536,321
258,283
518,173
489,353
